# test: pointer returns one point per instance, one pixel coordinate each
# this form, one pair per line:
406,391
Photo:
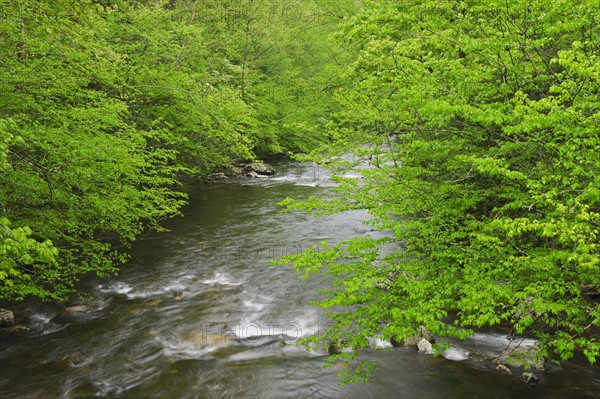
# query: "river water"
200,312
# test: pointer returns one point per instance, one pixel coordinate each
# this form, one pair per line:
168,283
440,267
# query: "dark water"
201,313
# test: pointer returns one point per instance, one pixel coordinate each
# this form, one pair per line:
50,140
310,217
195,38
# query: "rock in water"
339,347
503,369
422,332
7,318
425,346
529,378
76,309
71,314
260,168
16,330
526,356
216,176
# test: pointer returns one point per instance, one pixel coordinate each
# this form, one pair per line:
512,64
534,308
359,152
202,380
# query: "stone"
422,332
7,318
216,176
339,347
260,168
529,378
425,346
253,174
526,357
202,339
234,171
76,309
503,369
17,330
71,313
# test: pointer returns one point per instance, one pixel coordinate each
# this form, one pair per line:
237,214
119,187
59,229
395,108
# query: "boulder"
7,318
339,347
529,378
425,346
526,357
260,168
217,176
422,332
503,369
16,330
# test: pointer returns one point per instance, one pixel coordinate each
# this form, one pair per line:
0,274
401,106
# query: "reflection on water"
200,312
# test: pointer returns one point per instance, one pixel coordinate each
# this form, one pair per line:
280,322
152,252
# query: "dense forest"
481,123
478,120
107,105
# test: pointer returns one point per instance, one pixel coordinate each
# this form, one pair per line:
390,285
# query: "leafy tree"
480,121
81,176
172,86
294,67
107,103
17,250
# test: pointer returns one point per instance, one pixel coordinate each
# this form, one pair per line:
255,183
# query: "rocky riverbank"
238,169
504,354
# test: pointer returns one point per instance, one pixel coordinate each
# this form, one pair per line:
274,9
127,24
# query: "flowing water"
200,312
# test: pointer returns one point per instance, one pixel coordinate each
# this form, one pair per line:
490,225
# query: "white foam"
118,287
184,350
254,306
222,279
40,318
456,354
379,343
176,287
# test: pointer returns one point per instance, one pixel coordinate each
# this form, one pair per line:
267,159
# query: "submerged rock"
202,339
529,378
71,313
76,309
16,330
503,369
7,318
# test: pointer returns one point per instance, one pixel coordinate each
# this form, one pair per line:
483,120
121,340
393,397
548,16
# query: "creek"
200,312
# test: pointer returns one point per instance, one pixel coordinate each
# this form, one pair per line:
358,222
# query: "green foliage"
106,104
18,252
480,120
27,267
171,84
82,176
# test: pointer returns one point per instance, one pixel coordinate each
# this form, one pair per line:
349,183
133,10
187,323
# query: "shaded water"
201,313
